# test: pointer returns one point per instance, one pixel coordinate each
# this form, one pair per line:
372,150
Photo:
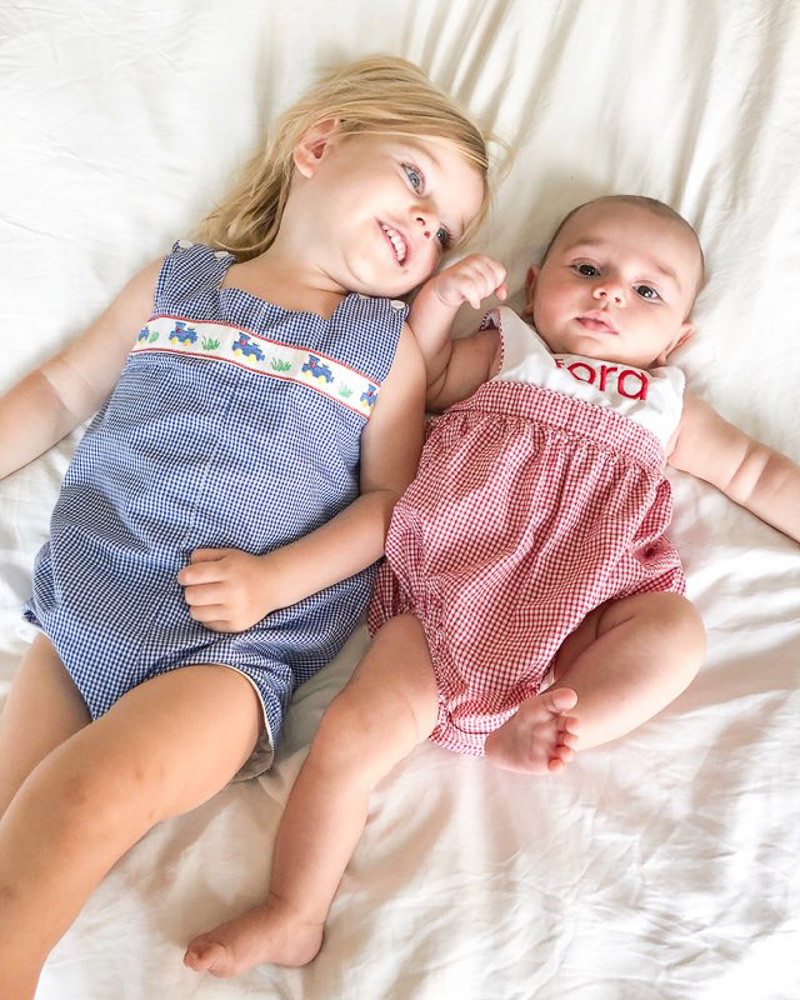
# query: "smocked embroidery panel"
230,344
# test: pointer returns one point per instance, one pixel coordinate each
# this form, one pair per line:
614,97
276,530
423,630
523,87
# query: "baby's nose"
610,291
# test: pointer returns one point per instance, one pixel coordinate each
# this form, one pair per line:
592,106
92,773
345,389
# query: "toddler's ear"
309,151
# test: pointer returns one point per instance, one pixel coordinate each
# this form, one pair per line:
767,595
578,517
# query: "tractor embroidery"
369,395
144,334
246,348
182,334
317,369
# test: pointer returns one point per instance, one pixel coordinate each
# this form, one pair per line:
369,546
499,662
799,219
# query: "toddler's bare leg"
626,661
164,748
388,707
43,709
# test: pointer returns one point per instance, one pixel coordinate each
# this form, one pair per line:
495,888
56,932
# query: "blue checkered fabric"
196,452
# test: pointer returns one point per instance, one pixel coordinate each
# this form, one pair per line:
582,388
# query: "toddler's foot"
540,738
267,933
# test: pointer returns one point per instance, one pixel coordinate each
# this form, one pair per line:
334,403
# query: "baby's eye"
586,270
414,175
444,237
646,292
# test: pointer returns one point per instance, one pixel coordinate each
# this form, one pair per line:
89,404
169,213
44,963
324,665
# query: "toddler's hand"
225,589
470,280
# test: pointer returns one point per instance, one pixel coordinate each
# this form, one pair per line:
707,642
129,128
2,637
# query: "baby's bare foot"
539,738
267,933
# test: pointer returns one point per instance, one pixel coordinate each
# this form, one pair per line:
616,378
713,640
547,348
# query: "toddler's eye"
444,237
646,292
415,178
586,270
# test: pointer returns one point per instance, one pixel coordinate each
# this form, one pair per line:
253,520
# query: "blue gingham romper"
235,423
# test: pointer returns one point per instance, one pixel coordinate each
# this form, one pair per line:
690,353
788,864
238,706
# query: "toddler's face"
617,285
380,210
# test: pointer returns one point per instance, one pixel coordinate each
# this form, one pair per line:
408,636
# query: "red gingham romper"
531,508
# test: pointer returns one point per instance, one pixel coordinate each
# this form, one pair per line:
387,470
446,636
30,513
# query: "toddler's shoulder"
188,270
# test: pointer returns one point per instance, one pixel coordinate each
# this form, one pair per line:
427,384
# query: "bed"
661,867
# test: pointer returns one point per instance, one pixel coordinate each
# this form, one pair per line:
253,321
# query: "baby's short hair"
648,204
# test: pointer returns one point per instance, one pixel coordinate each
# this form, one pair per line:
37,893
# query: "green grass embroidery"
154,337
210,345
281,366
345,390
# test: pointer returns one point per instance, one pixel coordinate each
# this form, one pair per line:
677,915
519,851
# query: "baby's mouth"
397,242
596,322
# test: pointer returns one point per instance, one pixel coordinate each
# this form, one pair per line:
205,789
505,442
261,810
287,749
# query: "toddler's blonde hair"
382,94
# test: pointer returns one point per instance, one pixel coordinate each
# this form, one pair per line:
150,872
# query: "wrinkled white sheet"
664,867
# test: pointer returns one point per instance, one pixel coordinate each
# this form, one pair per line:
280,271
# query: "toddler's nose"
426,232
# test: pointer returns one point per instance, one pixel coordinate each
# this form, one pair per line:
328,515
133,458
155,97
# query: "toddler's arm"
455,368
229,590
755,476
65,390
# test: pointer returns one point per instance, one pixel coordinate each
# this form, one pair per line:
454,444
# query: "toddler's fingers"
494,276
209,615
207,555
201,572
203,594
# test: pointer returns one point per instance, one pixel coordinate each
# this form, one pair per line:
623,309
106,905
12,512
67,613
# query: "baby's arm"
229,590
455,368
65,390
760,479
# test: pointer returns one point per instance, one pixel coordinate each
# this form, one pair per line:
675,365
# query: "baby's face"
617,285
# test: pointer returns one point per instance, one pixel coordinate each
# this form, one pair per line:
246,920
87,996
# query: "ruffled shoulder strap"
188,271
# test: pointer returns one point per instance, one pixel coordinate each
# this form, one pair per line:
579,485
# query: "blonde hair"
382,94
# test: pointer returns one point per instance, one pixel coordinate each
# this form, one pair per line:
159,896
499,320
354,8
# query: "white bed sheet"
663,867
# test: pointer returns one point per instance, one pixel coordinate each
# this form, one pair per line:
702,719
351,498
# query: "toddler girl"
530,604
230,497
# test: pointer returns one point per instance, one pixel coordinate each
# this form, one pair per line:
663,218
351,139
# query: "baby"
530,604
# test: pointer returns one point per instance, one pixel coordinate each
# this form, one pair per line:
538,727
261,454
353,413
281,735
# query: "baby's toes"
559,700
204,954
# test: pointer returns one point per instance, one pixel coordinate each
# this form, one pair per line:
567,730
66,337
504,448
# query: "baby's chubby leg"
388,707
625,662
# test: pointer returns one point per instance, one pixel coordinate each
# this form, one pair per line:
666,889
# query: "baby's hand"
225,589
470,280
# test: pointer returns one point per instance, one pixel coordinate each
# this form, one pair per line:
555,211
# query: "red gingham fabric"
529,510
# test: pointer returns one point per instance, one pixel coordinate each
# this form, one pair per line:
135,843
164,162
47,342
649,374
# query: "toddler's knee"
88,799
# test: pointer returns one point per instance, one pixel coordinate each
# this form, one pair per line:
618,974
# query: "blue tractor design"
369,395
246,348
181,333
144,334
317,369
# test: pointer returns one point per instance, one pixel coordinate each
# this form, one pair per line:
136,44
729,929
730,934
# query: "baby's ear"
685,334
309,151
530,284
